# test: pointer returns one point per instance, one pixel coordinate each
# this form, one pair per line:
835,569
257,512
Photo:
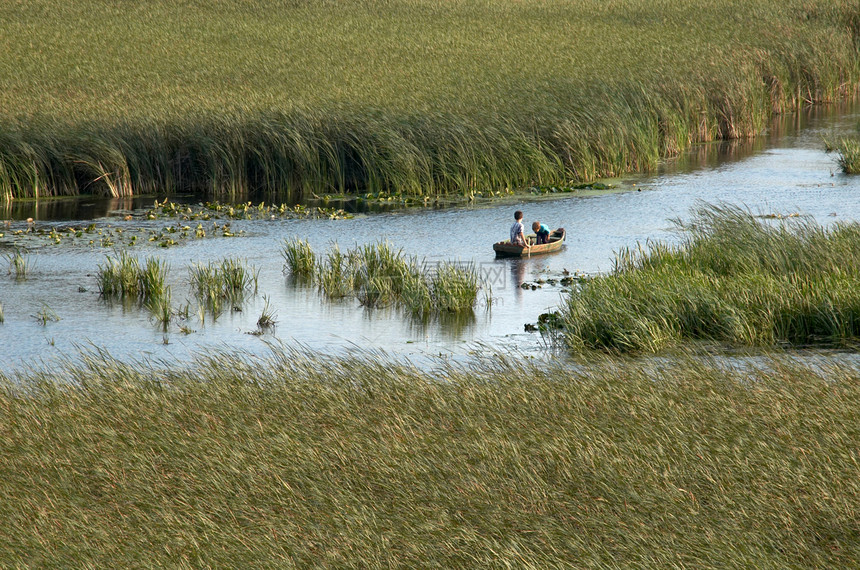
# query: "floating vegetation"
736,278
242,211
378,275
127,235
227,281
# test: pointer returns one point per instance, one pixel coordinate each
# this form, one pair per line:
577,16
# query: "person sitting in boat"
518,236
542,232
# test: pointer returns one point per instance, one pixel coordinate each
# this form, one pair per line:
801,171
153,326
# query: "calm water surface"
786,172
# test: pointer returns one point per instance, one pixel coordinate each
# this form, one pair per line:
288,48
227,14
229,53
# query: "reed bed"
438,97
736,278
301,460
378,275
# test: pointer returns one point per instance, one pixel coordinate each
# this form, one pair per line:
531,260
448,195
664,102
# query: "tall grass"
735,278
502,95
297,460
378,275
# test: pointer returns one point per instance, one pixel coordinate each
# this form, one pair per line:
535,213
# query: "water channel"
785,172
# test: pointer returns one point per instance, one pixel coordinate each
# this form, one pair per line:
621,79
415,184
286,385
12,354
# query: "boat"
507,249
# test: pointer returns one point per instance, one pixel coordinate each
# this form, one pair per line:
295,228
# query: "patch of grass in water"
736,278
226,282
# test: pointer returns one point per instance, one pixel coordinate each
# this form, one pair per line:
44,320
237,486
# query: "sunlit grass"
301,460
379,275
19,265
736,278
411,96
122,276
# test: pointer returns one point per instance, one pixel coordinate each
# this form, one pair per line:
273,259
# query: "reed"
297,459
2,315
849,156
19,265
227,281
378,275
268,317
299,258
323,111
122,276
735,278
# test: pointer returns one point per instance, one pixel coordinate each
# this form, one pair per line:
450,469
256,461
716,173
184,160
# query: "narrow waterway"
786,172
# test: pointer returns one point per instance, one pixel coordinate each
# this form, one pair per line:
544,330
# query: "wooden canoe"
506,249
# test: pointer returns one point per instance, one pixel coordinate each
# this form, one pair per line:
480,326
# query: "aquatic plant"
46,315
360,113
122,276
160,308
268,316
736,278
307,460
226,281
849,156
299,258
19,265
2,315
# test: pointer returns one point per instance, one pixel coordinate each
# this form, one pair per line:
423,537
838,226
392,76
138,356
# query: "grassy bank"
263,97
361,462
736,278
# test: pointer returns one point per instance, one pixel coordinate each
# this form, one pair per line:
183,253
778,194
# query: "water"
786,172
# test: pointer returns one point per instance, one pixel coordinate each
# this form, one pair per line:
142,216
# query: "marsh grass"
2,315
46,315
322,109
228,281
379,275
299,258
19,265
302,460
735,278
849,156
268,317
122,276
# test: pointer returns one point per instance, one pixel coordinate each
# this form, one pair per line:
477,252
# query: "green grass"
736,278
19,265
226,282
262,97
309,461
849,156
378,275
122,276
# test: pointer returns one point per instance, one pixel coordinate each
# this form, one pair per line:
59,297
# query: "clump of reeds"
268,317
227,281
123,276
299,258
378,275
19,265
736,278
308,460
849,156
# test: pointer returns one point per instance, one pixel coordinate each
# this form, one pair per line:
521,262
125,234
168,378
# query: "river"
785,172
